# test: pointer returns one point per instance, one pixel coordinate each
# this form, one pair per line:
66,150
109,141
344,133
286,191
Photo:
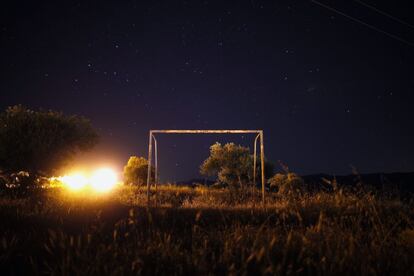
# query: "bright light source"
103,180
74,182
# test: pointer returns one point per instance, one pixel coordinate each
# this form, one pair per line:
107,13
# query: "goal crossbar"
204,131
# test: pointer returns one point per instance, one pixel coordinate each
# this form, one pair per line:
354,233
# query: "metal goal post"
198,131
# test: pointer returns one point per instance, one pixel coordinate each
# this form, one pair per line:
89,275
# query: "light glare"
74,182
103,180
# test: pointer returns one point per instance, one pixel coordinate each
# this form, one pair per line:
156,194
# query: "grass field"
201,231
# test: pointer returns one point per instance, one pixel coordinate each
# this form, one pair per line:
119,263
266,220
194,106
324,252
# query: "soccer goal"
152,133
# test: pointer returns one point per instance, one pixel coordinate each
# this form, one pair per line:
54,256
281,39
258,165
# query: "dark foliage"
233,165
136,171
40,142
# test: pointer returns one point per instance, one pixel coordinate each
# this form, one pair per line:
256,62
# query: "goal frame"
151,138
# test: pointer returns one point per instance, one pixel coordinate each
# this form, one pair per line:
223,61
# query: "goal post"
151,139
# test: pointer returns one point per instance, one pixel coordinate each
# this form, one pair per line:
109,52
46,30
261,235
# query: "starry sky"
329,92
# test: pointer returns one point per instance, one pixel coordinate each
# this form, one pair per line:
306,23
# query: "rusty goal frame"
211,131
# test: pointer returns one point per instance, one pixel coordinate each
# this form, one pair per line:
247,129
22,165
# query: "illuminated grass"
200,231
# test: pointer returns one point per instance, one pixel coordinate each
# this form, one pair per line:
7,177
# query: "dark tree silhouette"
233,164
40,142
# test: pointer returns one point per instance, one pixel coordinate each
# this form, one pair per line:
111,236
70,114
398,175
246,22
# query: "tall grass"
202,231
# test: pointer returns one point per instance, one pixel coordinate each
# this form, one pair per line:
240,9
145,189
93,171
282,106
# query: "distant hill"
404,182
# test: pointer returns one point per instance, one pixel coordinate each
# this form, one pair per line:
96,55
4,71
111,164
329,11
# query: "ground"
206,231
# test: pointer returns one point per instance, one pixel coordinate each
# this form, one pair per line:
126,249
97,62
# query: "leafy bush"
136,171
232,164
287,183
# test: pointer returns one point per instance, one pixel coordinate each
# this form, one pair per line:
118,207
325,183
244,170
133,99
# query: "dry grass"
202,231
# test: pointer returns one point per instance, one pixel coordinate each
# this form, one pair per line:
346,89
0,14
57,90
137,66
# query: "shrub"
136,171
287,183
232,164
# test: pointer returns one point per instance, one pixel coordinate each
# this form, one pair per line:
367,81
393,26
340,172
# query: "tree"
41,142
232,164
136,171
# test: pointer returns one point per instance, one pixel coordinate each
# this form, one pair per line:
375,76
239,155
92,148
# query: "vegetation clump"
287,184
136,171
232,165
230,162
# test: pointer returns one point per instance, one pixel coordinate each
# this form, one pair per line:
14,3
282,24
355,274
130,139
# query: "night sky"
329,92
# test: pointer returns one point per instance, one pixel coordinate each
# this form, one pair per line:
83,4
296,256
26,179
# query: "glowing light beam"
100,181
103,180
74,182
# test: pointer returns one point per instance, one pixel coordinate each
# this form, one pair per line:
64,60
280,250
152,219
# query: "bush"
287,183
233,165
136,171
